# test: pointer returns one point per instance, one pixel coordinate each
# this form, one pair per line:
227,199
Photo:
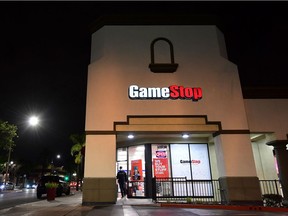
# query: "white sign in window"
200,162
180,160
191,161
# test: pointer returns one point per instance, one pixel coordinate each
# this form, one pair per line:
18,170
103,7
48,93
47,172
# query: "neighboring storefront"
164,101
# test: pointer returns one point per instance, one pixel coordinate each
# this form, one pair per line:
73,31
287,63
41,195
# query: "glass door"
121,162
136,174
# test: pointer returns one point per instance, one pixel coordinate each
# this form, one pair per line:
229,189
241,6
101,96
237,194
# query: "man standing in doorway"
122,179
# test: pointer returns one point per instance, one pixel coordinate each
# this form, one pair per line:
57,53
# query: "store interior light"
130,136
185,136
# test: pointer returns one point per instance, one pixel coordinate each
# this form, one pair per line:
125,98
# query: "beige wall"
268,115
213,161
264,160
234,155
120,58
100,156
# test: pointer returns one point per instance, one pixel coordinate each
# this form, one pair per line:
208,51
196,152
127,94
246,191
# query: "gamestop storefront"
190,161
165,101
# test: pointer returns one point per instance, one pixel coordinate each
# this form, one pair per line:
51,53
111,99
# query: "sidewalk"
64,205
72,206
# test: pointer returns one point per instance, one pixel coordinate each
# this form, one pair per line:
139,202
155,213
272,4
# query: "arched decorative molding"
162,67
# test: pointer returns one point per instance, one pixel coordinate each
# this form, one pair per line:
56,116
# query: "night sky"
45,52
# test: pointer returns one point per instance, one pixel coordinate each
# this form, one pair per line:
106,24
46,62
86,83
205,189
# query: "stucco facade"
120,56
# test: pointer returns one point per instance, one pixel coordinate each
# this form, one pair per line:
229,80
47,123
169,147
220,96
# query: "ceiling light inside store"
130,136
185,136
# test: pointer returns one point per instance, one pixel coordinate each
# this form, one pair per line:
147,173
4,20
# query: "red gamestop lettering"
172,92
185,93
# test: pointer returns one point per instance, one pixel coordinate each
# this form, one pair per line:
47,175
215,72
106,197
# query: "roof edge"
156,20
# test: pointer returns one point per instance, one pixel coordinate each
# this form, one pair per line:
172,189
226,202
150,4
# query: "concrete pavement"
65,205
71,206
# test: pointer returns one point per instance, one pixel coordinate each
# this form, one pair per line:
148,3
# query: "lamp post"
7,165
33,121
53,170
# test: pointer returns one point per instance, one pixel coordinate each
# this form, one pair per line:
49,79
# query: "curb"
224,207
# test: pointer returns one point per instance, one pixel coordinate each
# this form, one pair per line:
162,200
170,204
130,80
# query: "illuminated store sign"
172,92
161,154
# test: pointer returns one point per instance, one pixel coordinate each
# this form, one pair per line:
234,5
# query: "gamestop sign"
172,92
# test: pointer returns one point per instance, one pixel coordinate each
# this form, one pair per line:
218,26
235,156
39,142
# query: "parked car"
31,185
63,186
9,186
73,184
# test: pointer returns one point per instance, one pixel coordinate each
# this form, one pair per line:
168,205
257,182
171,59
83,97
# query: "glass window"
200,162
180,160
160,160
122,154
121,159
191,161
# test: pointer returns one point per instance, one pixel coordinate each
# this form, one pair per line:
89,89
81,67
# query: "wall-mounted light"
130,136
185,136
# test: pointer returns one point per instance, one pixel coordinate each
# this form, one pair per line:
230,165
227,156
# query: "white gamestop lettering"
172,92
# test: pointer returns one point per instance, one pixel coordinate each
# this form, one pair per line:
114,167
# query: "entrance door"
121,162
136,158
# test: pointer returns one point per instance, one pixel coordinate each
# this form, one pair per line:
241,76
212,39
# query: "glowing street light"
53,167
33,121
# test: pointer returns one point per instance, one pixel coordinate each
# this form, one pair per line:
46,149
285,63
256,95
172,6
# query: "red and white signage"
161,154
161,167
172,92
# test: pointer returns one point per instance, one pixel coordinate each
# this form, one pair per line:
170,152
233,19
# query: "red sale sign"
161,167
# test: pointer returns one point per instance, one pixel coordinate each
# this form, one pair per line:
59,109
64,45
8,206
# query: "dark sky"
45,51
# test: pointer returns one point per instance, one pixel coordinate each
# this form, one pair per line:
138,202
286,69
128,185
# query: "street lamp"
8,163
53,167
33,121
7,167
58,156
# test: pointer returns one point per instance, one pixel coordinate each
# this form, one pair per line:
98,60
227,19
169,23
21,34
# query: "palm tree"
78,152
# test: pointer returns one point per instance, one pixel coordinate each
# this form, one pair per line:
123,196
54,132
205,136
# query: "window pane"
200,162
160,160
121,154
180,160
